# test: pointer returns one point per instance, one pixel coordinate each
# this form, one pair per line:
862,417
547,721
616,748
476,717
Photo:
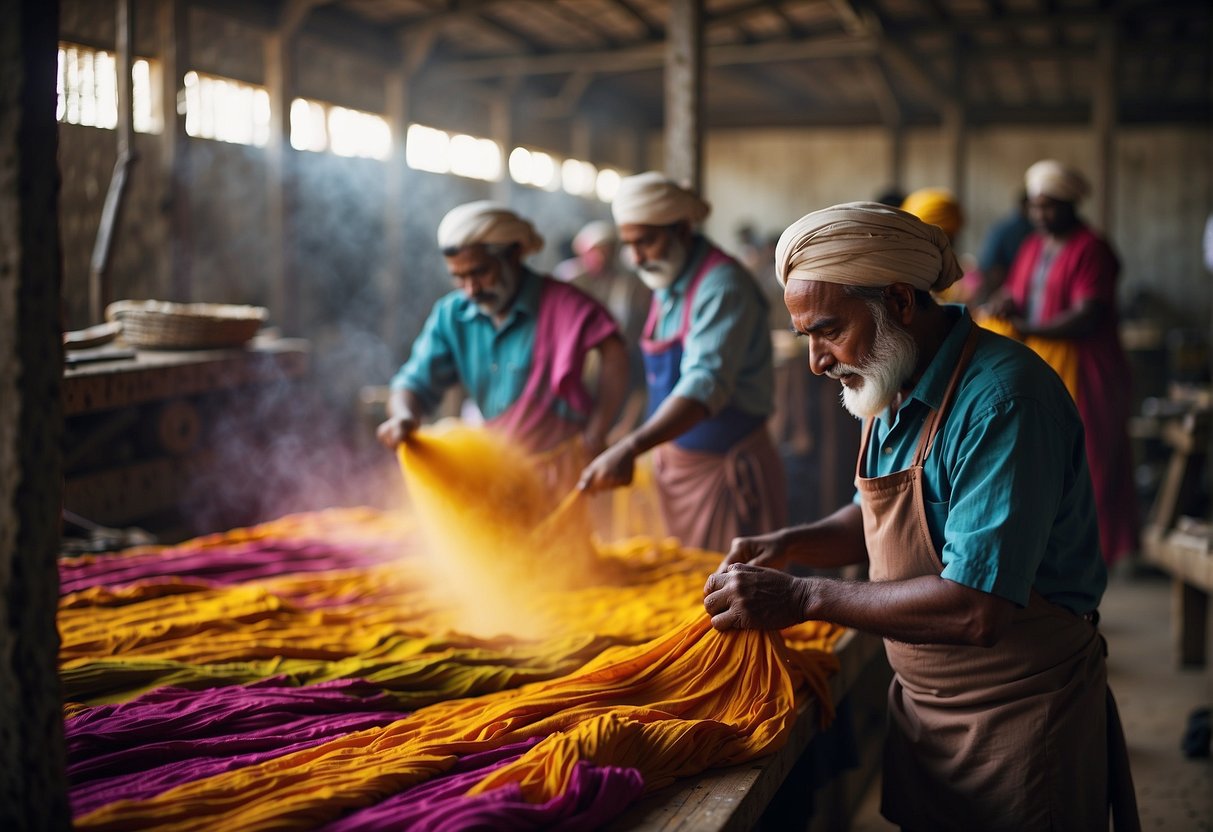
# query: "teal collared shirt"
460,344
726,356
1008,496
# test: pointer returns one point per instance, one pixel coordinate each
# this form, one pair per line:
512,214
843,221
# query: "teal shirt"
1008,495
459,344
726,355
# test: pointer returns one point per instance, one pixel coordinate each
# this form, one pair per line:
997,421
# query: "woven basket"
159,325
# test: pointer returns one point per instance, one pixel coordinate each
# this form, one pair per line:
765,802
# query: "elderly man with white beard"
708,370
517,341
975,515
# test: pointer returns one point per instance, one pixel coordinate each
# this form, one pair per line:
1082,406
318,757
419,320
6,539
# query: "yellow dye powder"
497,531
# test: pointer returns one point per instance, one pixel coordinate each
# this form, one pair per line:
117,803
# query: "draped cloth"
1086,268
707,499
866,244
652,199
486,223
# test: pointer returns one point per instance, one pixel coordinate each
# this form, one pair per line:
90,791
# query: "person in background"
892,196
708,367
939,207
975,516
998,251
517,341
1061,293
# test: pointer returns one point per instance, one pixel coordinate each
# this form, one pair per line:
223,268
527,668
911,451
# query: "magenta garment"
570,324
596,795
170,736
228,564
1087,268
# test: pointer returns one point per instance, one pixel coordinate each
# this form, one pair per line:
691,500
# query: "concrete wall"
1163,190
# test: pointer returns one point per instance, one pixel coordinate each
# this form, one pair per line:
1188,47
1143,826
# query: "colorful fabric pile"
312,673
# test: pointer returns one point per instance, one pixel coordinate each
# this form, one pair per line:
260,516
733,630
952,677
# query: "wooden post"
33,783
281,277
395,213
684,94
1103,125
111,210
172,31
501,125
955,122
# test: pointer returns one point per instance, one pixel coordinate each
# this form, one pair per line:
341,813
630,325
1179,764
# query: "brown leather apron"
1015,736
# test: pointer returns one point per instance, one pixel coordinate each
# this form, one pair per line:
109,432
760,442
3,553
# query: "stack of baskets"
159,325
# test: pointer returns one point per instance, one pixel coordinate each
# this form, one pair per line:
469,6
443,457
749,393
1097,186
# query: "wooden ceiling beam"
651,30
651,56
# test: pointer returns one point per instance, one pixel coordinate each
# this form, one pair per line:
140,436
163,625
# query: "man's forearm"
612,387
406,404
673,418
833,541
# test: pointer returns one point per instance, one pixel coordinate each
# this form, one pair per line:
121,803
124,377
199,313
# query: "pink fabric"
1087,268
570,324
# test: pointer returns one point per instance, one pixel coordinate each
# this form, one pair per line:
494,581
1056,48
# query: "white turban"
866,244
486,223
652,199
1055,180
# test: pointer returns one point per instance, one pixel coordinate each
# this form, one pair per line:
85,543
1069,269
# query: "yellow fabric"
1058,354
658,689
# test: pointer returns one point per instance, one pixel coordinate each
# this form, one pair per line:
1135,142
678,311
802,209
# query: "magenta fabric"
170,736
570,324
224,565
596,794
1086,268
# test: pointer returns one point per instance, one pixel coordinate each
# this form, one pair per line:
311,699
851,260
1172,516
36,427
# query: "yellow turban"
866,244
937,207
1056,180
486,223
652,199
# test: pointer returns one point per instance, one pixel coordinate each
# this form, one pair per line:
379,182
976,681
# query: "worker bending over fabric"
517,342
707,358
976,518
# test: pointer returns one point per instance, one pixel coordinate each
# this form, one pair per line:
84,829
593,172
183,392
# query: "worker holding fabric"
1061,297
516,340
975,515
708,368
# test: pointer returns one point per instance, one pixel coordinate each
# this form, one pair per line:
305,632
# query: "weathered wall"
1163,190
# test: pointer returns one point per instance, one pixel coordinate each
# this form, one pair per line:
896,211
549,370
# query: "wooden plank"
153,376
172,32
122,495
1191,624
734,798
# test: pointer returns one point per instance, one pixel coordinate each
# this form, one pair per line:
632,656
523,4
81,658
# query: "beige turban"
486,223
1055,180
651,199
866,244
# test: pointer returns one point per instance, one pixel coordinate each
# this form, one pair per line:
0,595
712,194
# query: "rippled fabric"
312,672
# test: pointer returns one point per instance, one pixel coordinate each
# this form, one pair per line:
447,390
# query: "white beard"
889,363
660,274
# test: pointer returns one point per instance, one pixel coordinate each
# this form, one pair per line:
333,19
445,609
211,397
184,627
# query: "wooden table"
732,799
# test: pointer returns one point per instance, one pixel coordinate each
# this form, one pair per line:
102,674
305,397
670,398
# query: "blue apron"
663,367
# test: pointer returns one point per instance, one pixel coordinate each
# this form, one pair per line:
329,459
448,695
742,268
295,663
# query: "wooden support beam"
99,293
501,128
281,278
395,213
172,34
650,56
1103,125
684,94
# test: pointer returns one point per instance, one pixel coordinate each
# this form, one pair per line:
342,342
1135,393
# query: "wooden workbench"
137,428
732,799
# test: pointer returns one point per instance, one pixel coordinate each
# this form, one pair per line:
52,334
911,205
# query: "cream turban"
1055,180
486,223
651,199
866,244
935,206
